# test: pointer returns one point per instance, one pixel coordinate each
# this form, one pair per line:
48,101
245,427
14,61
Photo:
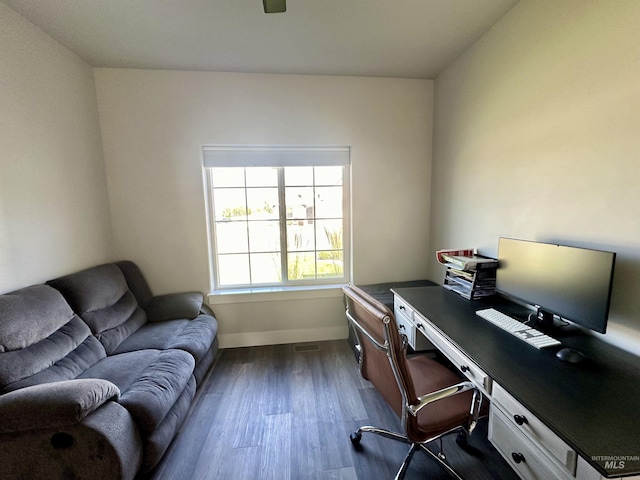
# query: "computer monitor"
573,283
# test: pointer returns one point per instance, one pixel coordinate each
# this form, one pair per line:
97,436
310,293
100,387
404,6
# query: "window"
278,216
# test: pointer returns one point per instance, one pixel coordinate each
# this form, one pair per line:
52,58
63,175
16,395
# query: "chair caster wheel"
355,438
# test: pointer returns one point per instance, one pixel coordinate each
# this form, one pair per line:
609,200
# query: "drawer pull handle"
400,327
464,368
401,307
517,457
520,420
420,326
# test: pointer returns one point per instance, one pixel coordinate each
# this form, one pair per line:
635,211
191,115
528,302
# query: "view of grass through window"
278,225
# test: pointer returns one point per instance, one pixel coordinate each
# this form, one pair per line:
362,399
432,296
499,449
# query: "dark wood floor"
286,412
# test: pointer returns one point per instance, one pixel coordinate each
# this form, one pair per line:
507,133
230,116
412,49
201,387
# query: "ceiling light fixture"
274,6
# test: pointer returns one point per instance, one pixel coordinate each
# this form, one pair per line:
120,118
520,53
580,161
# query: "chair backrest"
383,350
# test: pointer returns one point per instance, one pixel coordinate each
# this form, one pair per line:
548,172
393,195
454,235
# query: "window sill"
274,294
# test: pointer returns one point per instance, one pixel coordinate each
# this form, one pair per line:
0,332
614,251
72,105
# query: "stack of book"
468,274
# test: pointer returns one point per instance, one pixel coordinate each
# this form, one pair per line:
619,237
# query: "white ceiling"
390,38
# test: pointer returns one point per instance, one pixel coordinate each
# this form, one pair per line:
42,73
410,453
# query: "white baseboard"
253,339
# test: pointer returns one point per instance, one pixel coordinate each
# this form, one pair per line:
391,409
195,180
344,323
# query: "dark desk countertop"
593,406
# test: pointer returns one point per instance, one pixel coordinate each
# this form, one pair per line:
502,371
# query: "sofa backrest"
136,281
42,340
102,298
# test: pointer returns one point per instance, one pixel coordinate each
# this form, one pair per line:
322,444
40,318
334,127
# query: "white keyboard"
518,329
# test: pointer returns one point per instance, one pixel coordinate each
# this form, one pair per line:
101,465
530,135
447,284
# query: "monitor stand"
545,319
548,323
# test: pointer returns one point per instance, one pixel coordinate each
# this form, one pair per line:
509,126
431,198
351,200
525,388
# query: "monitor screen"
573,283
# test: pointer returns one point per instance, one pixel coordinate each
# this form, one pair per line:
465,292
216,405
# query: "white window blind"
242,156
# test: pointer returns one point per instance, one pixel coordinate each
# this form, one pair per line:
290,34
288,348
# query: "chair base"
440,458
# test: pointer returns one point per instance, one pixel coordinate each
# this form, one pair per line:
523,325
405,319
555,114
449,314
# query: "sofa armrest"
53,404
175,305
206,310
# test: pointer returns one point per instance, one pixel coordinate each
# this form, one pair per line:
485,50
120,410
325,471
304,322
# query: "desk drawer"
524,421
407,326
469,369
523,455
401,307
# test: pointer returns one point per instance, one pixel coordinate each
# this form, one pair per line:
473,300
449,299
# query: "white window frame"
277,156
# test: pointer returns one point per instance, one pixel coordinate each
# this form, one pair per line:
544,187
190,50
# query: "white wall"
536,136
54,213
154,124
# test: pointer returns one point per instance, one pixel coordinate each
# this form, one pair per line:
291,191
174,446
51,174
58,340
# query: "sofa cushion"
41,339
101,296
193,336
150,382
40,307
156,444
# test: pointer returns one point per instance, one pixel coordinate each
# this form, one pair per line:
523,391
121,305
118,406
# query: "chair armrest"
175,305
425,400
53,404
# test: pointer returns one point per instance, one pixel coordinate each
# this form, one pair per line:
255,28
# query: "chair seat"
441,416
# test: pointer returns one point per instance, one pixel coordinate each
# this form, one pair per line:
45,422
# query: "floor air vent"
306,347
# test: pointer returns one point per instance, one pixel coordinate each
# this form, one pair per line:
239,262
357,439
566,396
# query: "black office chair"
429,398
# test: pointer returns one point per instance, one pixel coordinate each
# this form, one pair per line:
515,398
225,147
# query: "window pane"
229,204
231,237
298,176
329,235
328,175
263,203
300,236
233,270
228,177
251,240
262,177
301,266
299,202
264,236
265,268
328,202
330,264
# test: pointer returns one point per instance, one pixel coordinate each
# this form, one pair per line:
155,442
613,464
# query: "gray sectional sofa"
97,374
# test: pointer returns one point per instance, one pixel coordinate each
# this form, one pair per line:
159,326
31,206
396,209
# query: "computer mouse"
570,355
